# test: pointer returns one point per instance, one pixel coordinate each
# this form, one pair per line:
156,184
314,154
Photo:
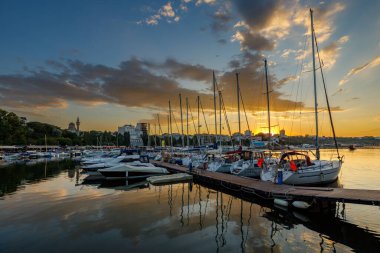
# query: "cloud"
136,83
371,64
209,2
287,52
324,15
178,70
252,41
221,19
153,20
330,53
166,11
263,24
131,84
286,80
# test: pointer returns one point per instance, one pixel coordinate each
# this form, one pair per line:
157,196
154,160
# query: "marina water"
46,208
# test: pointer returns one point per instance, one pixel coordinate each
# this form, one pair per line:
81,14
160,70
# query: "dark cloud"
255,41
222,41
180,70
256,14
136,83
234,64
221,20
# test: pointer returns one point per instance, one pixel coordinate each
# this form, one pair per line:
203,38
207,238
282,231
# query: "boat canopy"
296,156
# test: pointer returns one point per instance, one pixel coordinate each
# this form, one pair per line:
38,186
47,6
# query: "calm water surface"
46,208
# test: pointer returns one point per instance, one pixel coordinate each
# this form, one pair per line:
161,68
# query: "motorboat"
137,169
170,179
111,162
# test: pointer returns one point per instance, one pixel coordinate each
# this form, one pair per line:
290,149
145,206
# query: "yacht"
137,169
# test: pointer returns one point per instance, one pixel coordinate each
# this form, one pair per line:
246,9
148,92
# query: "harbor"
270,191
189,126
225,218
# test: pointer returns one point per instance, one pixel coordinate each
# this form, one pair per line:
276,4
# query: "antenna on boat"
317,155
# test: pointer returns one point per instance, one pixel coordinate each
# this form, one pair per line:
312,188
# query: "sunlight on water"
46,208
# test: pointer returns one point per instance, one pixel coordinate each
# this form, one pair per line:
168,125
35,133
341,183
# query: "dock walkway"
270,190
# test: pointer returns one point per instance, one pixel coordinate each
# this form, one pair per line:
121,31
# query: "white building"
134,133
247,134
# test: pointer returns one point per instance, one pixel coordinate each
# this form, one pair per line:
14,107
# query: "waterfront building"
134,133
248,134
237,136
72,128
143,128
78,124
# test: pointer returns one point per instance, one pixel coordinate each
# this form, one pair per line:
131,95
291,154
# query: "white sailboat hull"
247,169
322,172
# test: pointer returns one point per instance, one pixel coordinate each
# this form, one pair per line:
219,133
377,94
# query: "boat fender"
283,208
281,202
301,217
301,204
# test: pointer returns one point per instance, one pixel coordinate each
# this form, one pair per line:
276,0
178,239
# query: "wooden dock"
269,190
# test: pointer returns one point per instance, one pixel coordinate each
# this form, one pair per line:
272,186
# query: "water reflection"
124,185
188,217
17,175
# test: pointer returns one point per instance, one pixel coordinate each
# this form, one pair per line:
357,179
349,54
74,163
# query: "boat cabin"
300,159
252,155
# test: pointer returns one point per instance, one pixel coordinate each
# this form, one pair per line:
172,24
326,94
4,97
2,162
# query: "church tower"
78,124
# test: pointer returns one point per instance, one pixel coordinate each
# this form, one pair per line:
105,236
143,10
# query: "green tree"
127,139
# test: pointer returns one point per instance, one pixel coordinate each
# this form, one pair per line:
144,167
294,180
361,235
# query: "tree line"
14,131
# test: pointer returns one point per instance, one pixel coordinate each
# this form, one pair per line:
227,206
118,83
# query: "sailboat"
297,167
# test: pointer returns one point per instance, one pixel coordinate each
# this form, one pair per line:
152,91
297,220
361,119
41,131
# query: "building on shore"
135,134
143,128
74,127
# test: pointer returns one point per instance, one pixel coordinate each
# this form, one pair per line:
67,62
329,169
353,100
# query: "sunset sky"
118,62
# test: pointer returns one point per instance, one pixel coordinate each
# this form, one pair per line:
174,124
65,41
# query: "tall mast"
180,106
155,136
238,102
159,129
199,124
216,126
187,121
266,82
148,134
220,117
317,155
170,126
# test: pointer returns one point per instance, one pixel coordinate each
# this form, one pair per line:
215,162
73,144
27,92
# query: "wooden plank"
368,197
